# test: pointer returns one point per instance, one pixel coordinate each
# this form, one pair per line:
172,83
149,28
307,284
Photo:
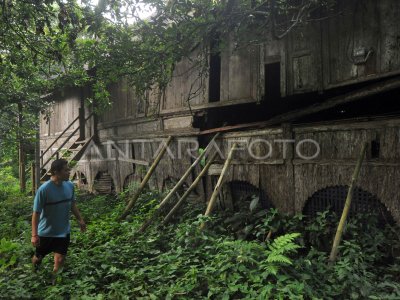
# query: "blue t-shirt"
53,202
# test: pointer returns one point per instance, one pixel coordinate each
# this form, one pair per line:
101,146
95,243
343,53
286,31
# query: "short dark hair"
57,165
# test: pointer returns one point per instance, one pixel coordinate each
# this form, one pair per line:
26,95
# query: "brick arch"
333,198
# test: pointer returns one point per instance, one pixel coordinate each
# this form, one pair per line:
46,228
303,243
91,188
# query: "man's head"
59,169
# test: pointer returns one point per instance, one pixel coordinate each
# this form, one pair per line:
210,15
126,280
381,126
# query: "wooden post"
22,173
218,186
145,180
37,159
33,178
190,189
176,187
81,123
21,151
339,232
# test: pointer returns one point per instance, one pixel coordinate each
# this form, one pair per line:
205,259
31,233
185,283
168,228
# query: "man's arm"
78,216
35,223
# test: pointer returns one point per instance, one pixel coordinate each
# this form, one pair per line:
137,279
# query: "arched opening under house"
131,182
237,195
333,198
103,183
80,180
243,205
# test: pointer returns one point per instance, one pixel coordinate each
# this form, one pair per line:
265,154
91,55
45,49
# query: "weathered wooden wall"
239,73
64,110
340,146
290,180
323,55
188,86
129,160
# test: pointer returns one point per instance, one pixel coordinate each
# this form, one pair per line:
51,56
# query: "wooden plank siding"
239,72
188,86
369,25
289,183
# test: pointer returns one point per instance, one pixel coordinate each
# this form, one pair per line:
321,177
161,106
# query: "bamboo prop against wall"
339,232
145,179
190,189
177,186
218,186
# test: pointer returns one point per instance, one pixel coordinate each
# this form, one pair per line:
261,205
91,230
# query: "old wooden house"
300,108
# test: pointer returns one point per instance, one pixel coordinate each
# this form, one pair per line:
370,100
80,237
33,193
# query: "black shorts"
52,244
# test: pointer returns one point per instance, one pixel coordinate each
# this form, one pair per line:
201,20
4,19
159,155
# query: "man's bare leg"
59,260
36,261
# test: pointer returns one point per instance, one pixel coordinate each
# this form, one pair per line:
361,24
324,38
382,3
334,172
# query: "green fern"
278,258
284,244
277,253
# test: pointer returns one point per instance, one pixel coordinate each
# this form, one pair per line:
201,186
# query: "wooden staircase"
73,153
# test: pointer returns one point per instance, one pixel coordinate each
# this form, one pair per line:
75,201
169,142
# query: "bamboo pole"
339,232
145,180
190,189
218,186
177,186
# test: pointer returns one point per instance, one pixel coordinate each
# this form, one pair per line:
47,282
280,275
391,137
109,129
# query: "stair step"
81,142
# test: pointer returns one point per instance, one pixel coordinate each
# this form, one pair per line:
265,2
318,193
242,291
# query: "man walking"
53,203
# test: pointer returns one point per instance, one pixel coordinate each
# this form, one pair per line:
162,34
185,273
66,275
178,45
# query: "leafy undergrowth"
253,254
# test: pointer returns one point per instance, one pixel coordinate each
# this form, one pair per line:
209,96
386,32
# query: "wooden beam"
348,162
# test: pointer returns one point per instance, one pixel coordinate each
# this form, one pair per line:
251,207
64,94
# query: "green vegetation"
254,254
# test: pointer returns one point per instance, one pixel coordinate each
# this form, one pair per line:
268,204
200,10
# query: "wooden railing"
55,141
65,141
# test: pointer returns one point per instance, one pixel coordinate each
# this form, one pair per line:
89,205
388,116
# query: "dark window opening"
214,83
133,155
375,148
272,81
